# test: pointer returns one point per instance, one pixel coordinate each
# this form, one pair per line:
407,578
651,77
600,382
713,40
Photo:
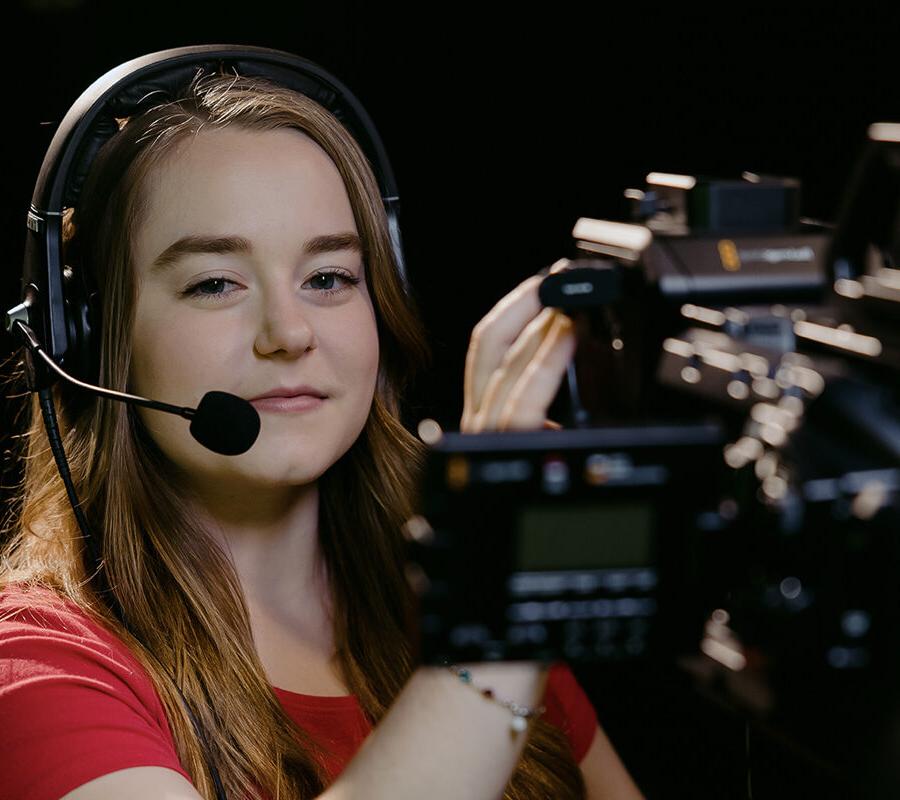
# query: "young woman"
240,243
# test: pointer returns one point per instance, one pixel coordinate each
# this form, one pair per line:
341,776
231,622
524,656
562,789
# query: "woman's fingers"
502,346
521,391
493,336
526,405
512,365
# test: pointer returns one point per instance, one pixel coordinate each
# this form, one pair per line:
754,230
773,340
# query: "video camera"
725,494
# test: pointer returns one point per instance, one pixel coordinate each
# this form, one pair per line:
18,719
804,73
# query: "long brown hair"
157,557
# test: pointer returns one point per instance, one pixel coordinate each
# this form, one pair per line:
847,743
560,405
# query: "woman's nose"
285,326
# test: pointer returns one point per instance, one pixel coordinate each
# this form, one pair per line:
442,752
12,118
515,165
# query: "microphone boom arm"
28,335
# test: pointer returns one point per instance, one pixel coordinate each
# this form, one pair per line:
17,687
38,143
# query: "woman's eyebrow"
186,245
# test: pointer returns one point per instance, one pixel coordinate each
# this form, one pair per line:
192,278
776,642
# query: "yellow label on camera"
457,472
728,252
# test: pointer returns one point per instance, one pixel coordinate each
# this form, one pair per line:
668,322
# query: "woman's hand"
518,353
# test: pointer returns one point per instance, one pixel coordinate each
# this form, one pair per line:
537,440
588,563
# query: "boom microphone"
223,422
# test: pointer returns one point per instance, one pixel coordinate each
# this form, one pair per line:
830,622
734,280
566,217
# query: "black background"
504,126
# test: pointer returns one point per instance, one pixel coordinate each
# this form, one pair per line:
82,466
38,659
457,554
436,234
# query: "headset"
59,302
59,312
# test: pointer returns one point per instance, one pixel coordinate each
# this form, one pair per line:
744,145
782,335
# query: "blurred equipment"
725,495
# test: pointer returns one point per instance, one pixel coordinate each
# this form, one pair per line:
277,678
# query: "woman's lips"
301,402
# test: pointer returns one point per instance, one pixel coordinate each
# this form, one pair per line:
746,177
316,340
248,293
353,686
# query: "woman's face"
261,315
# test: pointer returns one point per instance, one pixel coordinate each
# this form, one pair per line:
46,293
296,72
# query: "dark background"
504,127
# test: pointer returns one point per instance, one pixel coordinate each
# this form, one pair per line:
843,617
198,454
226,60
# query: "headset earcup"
81,313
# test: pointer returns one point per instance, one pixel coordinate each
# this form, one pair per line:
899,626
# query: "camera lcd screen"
589,536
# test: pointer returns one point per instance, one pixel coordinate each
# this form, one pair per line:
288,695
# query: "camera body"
565,543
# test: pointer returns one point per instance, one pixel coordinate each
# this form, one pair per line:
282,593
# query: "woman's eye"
199,289
329,277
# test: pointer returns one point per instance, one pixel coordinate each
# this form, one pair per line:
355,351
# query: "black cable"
48,411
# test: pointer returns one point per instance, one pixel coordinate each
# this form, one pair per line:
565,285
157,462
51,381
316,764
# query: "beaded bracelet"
521,714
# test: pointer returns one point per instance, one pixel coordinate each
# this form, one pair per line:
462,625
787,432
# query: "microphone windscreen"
225,423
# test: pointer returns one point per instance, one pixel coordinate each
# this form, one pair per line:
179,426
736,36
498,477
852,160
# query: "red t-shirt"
75,704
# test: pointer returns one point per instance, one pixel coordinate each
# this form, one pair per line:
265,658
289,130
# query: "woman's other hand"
517,356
